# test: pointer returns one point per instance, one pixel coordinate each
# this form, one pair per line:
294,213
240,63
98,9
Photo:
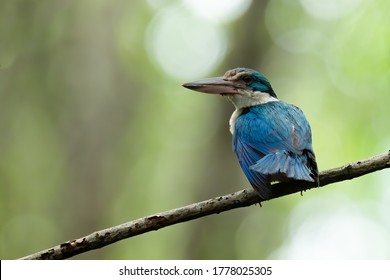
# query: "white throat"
247,99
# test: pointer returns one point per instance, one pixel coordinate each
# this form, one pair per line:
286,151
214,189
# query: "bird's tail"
285,164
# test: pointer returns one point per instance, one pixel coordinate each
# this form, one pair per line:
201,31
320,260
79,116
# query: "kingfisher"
271,138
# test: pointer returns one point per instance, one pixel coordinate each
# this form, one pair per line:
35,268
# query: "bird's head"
242,86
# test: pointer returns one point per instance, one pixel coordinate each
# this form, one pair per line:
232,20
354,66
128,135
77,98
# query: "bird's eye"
247,79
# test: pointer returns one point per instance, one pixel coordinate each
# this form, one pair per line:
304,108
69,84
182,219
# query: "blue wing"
273,142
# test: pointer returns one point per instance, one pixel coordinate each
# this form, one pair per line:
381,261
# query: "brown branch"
215,205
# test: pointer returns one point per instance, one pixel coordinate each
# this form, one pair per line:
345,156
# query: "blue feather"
273,141
248,157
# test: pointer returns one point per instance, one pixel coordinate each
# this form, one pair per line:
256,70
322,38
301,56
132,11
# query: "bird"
271,139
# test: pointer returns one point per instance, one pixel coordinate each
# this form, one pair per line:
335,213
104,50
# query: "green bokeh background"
96,130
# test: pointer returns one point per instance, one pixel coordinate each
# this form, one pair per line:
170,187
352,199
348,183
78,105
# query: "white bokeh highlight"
195,31
321,229
218,11
198,47
331,9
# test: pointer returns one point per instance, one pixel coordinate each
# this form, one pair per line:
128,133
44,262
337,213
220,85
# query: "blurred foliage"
96,129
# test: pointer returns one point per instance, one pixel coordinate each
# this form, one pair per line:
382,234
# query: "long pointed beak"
214,86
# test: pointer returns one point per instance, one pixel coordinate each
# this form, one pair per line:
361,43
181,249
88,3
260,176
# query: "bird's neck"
245,101
233,119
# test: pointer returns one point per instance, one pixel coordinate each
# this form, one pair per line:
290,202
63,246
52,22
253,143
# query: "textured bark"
212,206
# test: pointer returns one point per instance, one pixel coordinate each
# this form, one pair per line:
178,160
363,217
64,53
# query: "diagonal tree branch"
215,205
